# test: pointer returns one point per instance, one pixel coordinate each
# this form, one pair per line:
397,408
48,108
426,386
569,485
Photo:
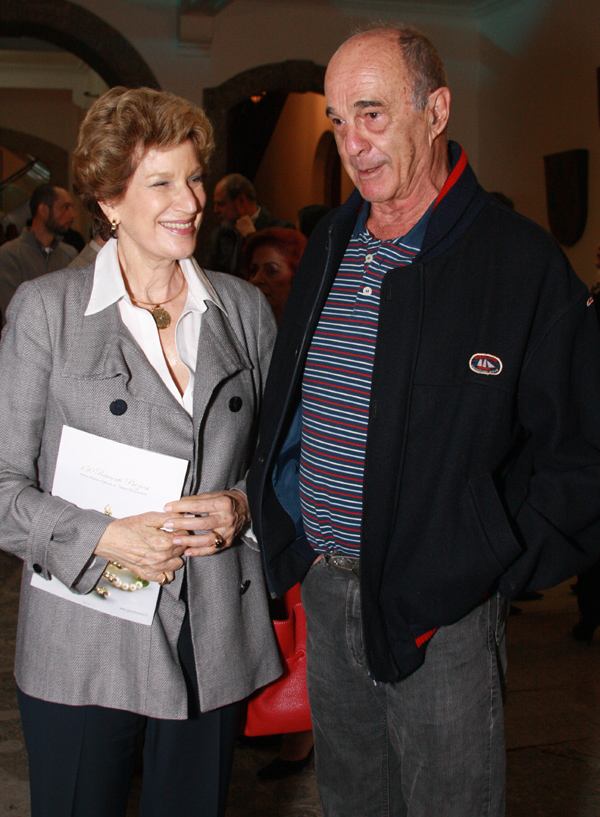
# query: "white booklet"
119,480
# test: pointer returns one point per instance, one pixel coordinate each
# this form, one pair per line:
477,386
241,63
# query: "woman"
270,259
144,349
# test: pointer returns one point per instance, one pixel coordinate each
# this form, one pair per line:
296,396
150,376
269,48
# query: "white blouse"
109,288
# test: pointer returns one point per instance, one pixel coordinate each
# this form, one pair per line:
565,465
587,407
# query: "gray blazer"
58,367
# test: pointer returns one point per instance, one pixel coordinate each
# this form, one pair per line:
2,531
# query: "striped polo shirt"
336,388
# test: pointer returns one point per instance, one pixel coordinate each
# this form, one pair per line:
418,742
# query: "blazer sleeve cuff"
62,540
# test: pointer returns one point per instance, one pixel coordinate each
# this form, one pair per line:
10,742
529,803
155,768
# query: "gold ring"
163,580
219,541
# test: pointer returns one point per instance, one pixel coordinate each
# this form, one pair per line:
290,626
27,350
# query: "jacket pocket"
494,521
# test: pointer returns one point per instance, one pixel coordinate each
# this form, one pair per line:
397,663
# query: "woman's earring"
113,228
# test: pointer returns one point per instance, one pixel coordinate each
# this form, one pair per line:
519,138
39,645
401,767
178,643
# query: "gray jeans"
431,745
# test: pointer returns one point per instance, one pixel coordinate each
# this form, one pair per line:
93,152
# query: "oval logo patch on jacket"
485,364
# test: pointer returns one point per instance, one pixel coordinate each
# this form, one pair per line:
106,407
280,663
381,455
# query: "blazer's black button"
37,568
235,403
244,586
118,407
261,459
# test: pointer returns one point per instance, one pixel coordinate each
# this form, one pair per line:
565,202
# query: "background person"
40,249
237,208
270,260
144,349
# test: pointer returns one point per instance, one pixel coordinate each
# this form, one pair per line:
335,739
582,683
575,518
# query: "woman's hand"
222,514
138,543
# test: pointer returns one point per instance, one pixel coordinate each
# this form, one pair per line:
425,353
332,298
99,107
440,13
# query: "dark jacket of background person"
226,243
471,481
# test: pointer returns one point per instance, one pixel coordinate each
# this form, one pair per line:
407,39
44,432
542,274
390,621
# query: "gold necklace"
161,317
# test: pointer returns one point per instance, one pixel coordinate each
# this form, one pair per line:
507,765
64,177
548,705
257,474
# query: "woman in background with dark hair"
269,261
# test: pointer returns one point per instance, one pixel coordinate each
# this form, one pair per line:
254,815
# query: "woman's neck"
150,283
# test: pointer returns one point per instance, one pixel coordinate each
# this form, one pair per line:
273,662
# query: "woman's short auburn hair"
290,243
117,131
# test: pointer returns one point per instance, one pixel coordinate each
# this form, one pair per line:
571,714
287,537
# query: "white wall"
50,115
250,33
47,114
523,77
538,96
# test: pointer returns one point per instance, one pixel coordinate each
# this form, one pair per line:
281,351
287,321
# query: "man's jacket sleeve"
555,480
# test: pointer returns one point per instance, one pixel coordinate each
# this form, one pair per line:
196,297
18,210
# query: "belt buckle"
345,563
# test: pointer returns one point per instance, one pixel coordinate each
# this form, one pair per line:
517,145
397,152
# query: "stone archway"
81,32
291,76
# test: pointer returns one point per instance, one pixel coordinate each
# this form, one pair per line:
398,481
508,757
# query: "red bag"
282,706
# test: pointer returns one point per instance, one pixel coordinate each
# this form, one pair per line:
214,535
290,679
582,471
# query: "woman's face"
161,210
270,272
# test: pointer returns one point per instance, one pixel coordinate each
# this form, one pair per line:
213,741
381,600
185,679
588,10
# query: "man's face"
382,140
224,208
62,214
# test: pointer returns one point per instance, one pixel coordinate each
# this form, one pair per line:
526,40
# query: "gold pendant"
161,317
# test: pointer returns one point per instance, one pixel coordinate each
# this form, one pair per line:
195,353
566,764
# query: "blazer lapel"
104,348
220,355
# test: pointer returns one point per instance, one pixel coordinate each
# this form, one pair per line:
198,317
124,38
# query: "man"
428,438
39,250
236,207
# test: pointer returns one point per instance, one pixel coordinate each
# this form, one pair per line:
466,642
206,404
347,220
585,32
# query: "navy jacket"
482,464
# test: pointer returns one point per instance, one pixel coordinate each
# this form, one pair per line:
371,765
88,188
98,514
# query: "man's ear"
438,107
43,211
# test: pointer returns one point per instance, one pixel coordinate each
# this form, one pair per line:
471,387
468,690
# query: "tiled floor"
552,719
